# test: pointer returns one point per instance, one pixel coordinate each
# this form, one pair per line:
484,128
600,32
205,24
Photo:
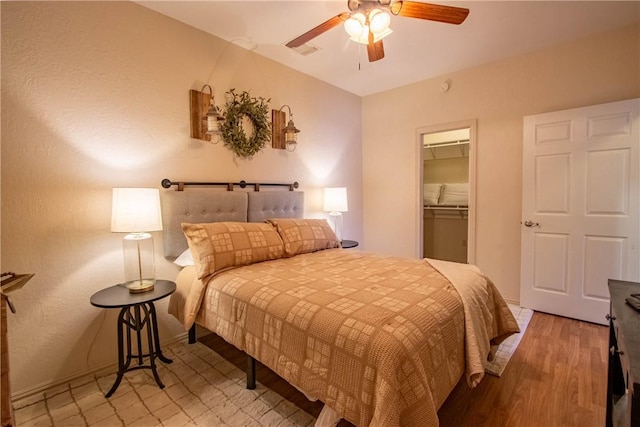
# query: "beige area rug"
509,346
201,389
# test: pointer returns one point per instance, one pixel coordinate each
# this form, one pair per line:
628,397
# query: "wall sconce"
205,115
281,136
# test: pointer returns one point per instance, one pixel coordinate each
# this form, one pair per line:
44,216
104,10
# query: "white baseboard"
512,301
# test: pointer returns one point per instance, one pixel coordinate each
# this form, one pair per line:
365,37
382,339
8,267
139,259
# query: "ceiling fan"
367,21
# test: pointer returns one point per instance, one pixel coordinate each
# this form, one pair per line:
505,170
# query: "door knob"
613,350
529,223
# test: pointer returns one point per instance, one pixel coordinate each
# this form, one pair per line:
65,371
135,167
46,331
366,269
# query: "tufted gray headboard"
275,204
199,205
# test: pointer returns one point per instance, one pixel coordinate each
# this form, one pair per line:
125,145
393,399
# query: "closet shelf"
447,208
446,143
461,143
449,211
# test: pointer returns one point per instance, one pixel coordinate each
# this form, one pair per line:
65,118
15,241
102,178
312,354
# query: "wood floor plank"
556,377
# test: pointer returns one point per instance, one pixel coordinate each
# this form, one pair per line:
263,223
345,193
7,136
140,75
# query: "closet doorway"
447,193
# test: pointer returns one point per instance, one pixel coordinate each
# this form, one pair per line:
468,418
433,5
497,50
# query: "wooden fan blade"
315,32
429,11
375,50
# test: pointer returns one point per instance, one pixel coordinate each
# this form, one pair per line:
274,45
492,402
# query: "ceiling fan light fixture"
381,35
358,26
379,21
363,38
355,25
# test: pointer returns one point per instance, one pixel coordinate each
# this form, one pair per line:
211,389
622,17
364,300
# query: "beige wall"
96,95
598,69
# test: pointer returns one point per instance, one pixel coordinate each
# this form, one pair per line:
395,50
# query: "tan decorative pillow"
217,246
305,235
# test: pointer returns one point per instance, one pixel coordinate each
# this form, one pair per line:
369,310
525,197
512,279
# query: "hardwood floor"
557,377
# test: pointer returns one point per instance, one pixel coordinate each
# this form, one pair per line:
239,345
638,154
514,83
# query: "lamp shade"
136,210
335,199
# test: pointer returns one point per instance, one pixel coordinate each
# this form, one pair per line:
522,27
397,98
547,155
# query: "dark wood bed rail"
167,183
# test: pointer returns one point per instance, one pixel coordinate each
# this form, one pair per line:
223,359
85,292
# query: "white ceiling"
416,50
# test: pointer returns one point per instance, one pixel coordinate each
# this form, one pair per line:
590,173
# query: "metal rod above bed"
167,183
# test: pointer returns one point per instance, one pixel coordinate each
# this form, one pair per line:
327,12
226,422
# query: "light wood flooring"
557,377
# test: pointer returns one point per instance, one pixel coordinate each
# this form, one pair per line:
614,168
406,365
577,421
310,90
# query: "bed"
381,341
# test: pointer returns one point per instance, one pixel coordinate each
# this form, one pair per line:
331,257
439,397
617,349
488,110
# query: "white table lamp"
137,211
335,202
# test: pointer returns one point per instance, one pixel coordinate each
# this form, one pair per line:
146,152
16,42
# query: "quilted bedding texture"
380,340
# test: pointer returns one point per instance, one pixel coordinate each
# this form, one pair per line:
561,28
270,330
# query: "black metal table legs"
136,318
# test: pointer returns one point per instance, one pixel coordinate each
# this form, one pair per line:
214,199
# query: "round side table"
348,244
136,312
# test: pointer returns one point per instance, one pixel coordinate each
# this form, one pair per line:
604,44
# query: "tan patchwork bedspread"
381,340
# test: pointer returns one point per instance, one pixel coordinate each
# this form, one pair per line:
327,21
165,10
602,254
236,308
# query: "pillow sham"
219,246
431,194
304,235
184,259
455,194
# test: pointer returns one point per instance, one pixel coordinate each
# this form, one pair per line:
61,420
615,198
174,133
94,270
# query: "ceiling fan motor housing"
366,5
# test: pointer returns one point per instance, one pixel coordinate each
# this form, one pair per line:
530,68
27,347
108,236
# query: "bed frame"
208,202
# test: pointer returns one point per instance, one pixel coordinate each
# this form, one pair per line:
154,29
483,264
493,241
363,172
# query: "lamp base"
139,266
138,287
337,224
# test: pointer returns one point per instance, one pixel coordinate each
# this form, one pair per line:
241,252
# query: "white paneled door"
580,208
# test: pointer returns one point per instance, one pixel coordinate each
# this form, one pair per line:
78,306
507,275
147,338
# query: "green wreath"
256,109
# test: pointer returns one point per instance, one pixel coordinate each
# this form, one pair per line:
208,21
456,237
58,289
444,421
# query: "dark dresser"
623,384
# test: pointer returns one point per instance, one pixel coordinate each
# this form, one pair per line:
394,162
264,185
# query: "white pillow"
455,194
431,194
184,259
